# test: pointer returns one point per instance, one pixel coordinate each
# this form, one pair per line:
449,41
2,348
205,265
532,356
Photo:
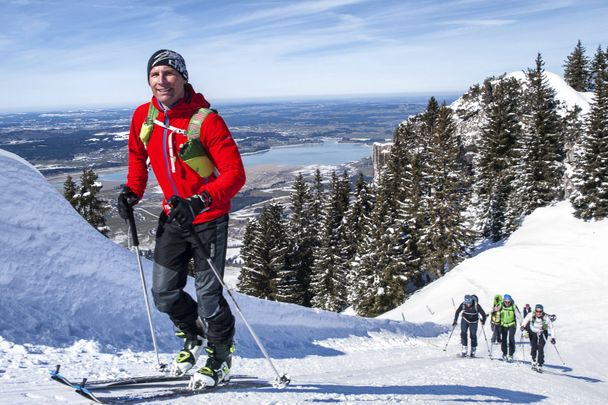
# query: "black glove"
184,210
455,323
483,321
552,341
125,202
522,328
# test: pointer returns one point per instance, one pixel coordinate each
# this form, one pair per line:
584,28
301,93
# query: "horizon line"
235,100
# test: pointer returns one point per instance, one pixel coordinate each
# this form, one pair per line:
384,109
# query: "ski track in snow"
69,296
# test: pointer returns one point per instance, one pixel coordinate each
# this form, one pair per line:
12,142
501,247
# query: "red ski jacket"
173,175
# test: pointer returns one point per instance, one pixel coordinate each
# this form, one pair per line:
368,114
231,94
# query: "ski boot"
510,358
534,365
504,357
193,342
217,368
473,349
539,368
463,353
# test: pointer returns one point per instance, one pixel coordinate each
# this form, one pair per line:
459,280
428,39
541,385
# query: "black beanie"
165,57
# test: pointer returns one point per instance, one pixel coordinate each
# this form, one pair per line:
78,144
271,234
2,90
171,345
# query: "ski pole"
486,338
558,355
135,242
449,337
521,344
282,380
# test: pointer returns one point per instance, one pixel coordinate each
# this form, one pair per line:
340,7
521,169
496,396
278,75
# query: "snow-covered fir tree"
496,157
576,69
597,64
447,233
540,168
265,251
357,214
89,204
590,200
301,239
381,280
69,191
250,281
328,283
572,128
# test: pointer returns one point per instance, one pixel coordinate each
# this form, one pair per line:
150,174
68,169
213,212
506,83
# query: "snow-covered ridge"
565,95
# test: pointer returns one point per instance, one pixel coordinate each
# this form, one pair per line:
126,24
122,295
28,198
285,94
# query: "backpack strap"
148,125
196,121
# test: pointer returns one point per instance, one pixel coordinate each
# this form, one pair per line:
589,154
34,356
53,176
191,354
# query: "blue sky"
79,53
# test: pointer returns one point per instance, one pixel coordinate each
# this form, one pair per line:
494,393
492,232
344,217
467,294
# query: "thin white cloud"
480,22
298,9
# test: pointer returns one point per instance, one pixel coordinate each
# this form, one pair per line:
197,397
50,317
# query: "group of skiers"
504,318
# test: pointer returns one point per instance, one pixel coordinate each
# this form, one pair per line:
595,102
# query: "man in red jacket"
195,200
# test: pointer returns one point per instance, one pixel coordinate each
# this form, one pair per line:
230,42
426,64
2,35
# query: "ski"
125,381
179,392
89,389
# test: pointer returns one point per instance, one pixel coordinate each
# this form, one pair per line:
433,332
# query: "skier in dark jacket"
471,311
198,167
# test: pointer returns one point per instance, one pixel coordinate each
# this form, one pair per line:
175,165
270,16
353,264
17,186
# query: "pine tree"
380,266
301,239
69,191
89,205
576,69
572,128
496,157
354,221
264,256
597,65
590,200
250,281
447,233
540,169
328,278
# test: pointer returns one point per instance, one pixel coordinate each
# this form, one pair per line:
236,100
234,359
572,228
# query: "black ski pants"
508,339
496,333
174,249
471,327
537,346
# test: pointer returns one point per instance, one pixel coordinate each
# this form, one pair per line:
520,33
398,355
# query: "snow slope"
563,92
69,296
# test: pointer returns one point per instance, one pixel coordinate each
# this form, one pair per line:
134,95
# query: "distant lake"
330,152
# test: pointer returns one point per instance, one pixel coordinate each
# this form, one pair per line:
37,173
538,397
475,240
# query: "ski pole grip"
134,237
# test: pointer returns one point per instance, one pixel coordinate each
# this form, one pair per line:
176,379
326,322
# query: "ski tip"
281,382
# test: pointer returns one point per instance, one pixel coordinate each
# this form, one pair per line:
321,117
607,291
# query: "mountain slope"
51,259
554,259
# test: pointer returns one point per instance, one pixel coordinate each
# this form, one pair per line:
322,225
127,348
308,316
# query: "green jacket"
507,315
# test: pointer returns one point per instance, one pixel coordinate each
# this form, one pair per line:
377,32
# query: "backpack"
192,152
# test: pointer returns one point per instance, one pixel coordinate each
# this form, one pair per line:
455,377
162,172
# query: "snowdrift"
62,281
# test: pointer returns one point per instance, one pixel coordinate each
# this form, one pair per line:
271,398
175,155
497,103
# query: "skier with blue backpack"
471,312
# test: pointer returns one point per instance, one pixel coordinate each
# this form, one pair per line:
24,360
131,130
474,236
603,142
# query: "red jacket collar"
187,106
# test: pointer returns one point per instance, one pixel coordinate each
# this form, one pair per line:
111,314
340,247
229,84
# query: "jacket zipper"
165,149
